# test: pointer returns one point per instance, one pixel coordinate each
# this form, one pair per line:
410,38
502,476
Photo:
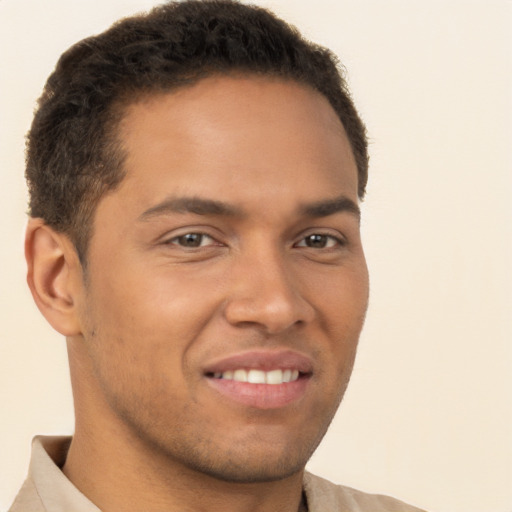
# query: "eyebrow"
195,205
330,207
201,206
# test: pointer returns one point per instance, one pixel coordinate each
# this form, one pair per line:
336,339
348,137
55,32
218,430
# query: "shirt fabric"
46,489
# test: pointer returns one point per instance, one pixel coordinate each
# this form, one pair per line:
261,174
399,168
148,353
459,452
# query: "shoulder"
324,496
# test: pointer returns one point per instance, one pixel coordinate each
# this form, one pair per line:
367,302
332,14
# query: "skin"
152,312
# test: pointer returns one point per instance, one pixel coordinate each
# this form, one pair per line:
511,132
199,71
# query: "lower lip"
261,396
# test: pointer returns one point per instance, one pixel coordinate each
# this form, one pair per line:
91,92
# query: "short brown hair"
73,157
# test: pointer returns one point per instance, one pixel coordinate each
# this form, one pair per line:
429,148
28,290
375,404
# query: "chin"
243,461
254,471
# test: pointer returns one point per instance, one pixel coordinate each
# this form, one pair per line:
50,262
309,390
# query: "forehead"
251,92
246,133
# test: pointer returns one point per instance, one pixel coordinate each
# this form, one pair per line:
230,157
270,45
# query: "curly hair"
73,155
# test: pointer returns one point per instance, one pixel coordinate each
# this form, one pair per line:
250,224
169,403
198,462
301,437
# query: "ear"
54,276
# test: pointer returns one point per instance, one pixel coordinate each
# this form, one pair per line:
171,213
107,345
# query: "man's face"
227,285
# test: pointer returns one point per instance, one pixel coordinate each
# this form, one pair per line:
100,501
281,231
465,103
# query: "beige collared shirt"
46,489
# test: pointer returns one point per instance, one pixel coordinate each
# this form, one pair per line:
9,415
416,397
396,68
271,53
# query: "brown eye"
192,240
319,241
316,241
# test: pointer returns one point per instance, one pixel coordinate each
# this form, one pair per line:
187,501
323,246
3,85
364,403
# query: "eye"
319,241
192,240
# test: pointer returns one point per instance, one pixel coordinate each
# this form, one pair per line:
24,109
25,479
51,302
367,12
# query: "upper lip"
265,360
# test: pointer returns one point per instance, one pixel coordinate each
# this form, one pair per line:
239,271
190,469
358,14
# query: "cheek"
149,299
145,324
342,296
139,349
342,311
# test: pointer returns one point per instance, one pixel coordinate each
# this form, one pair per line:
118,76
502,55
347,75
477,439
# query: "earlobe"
52,267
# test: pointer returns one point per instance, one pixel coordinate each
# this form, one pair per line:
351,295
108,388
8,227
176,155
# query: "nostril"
271,314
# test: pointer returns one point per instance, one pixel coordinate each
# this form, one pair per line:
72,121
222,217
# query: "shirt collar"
57,493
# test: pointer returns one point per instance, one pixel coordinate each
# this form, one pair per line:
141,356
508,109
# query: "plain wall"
428,415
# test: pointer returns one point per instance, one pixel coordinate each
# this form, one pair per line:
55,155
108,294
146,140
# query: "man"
194,179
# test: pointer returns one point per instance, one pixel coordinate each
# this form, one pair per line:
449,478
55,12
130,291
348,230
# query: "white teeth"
275,377
240,375
259,376
256,377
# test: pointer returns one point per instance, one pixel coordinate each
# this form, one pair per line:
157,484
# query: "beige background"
428,415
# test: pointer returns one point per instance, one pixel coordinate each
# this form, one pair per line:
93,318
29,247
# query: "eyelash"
321,237
338,241
202,236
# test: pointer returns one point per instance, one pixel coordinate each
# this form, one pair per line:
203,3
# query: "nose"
266,294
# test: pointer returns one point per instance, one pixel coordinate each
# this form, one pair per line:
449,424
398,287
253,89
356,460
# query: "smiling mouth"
261,389
262,379
253,376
